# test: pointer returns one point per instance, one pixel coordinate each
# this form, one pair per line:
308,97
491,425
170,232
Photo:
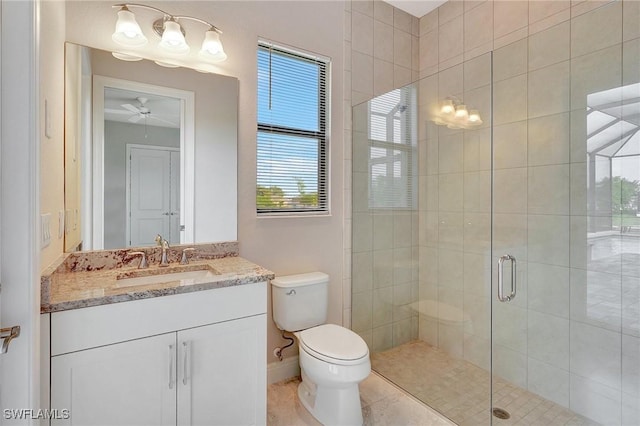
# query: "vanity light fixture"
172,35
455,115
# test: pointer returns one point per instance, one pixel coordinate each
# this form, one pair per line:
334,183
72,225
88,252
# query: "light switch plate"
45,230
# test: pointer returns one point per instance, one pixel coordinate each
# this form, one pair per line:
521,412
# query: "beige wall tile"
446,64
510,100
550,21
477,150
382,268
510,235
429,22
549,90
477,232
347,26
508,192
415,26
402,20
478,51
631,62
382,77
543,9
401,76
401,229
450,192
595,72
509,16
510,38
362,311
477,275
578,189
383,41
363,6
477,72
450,82
402,48
549,139
578,136
362,232
382,307
415,54
383,12
363,74
450,151
512,332
382,231
548,290
550,46
630,19
478,23
549,239
450,10
548,339
362,279
362,33
608,21
510,61
480,99
548,190
451,38
477,192
510,145
450,275
429,50
581,7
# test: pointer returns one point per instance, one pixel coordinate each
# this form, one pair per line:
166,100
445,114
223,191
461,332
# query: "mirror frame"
187,154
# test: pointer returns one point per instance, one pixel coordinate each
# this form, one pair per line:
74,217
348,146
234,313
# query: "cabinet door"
222,373
130,383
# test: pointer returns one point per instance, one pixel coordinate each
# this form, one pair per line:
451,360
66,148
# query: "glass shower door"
566,223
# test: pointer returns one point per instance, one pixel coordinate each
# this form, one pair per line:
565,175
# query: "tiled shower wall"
571,335
381,53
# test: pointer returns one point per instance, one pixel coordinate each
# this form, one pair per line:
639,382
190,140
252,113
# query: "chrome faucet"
164,261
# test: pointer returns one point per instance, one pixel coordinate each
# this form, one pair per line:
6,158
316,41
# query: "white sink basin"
185,278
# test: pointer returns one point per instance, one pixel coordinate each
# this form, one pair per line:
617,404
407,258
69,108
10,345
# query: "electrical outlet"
45,230
60,224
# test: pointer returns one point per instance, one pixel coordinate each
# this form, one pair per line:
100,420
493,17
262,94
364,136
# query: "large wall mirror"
148,150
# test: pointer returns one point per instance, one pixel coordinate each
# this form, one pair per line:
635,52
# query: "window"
392,147
292,146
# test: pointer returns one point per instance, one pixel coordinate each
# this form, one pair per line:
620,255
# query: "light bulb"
212,47
447,107
474,117
461,112
128,32
172,39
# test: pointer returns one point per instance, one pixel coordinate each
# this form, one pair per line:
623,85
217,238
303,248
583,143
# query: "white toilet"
333,359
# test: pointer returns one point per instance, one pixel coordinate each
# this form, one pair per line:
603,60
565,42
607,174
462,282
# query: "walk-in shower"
496,229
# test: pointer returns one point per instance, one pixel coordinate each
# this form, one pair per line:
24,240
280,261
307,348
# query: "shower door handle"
512,295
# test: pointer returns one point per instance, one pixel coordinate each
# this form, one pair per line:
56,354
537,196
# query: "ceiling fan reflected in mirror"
141,111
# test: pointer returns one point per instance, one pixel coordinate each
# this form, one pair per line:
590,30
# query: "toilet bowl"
333,359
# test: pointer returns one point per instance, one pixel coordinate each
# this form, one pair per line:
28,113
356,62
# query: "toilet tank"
300,301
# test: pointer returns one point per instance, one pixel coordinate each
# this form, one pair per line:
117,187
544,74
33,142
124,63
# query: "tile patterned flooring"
460,390
382,404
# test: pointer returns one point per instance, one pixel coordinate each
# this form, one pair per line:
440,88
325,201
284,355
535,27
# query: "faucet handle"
143,258
159,240
185,258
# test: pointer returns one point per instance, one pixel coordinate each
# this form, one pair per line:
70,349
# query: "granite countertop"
99,278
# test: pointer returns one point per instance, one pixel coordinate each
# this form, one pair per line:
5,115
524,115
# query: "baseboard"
282,370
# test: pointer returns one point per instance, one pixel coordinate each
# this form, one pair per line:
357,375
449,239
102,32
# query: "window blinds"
292,146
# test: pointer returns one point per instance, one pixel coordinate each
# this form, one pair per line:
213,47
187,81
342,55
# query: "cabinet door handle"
171,363
185,366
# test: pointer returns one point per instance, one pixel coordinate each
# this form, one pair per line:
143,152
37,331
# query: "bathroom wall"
382,46
284,245
571,334
52,146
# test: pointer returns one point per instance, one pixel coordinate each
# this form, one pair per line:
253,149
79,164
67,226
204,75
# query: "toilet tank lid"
300,279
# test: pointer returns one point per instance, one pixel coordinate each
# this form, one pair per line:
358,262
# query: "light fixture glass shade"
461,112
128,32
126,57
173,40
474,117
212,47
447,107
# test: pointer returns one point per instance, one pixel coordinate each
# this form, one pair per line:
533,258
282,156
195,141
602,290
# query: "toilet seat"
334,344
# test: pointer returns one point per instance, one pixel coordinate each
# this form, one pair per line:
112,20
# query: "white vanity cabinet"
188,359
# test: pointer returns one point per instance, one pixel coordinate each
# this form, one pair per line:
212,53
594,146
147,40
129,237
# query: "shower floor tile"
460,390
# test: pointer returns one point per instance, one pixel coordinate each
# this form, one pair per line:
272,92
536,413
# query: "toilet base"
331,406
